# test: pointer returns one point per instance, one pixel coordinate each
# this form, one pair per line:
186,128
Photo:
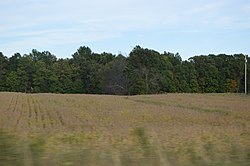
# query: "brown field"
170,129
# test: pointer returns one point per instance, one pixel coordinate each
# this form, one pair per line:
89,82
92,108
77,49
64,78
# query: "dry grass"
171,129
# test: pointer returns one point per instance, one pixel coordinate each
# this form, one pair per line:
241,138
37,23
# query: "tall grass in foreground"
36,151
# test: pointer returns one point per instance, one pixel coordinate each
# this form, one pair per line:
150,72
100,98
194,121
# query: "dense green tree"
12,82
3,71
186,78
237,70
25,72
44,79
172,63
88,70
208,74
149,72
231,71
141,63
45,57
14,62
64,72
115,80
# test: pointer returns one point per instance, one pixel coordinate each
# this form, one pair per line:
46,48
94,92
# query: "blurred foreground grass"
38,151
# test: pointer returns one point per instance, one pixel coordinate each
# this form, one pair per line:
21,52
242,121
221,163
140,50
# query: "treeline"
144,71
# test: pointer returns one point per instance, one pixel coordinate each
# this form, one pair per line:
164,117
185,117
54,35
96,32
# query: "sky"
189,27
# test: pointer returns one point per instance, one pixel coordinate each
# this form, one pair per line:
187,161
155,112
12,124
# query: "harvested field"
170,129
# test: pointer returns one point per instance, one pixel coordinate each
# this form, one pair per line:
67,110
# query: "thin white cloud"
48,23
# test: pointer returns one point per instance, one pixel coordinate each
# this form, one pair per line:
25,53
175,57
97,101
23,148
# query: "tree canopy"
144,71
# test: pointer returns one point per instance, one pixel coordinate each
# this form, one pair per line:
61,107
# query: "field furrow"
30,111
43,114
48,120
60,118
15,103
11,103
35,110
40,119
20,112
6,113
47,112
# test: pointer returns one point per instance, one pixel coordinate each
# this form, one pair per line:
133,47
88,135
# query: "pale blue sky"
190,27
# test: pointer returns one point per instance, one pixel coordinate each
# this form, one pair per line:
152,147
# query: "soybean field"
168,129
